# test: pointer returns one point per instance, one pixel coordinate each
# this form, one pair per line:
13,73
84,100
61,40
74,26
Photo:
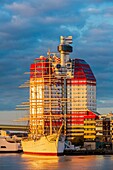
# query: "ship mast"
50,101
44,103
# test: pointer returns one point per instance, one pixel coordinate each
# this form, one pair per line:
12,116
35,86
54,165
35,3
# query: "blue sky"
29,28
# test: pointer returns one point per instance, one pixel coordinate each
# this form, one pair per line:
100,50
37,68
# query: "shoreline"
88,152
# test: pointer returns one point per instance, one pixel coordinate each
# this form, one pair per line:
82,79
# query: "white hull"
9,145
49,145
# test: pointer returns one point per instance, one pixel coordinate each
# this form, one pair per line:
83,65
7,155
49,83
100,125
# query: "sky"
29,28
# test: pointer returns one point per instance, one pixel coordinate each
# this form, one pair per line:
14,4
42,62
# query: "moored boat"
51,145
8,145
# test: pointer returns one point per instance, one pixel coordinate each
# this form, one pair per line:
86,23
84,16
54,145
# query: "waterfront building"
81,87
107,126
104,132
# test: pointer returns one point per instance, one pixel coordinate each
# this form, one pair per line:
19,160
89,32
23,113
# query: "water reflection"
63,163
69,162
28,162
46,163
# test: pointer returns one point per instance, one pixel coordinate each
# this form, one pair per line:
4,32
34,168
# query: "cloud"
105,103
29,28
22,9
11,117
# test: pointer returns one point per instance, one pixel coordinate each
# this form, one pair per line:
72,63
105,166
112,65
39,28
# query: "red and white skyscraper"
67,87
81,88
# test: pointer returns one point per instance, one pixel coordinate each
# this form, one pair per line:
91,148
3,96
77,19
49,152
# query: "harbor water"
27,162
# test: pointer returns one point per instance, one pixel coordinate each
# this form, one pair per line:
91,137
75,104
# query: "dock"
88,152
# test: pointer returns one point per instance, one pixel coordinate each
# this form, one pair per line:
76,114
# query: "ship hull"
51,145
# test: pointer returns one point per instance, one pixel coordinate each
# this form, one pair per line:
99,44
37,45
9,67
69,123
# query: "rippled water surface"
27,162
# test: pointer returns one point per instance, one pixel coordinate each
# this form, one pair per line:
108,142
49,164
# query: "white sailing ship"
50,145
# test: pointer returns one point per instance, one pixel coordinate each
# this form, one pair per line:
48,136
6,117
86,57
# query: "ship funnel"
64,48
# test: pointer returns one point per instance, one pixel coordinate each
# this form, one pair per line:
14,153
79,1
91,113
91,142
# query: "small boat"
8,145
